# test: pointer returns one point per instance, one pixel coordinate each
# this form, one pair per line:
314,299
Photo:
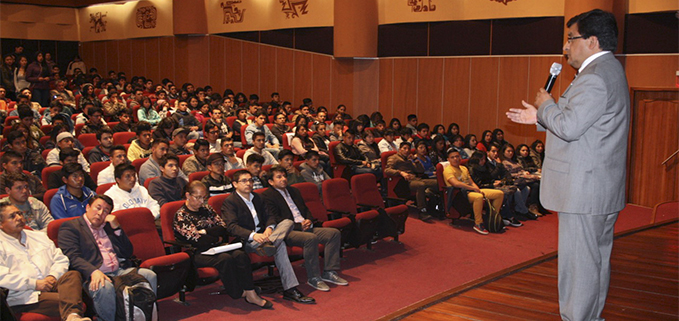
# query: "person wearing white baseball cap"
66,140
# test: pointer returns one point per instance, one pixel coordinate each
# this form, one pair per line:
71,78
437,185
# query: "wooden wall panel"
342,84
166,58
112,61
322,80
199,73
125,57
385,98
217,64
100,57
153,68
138,53
513,76
430,91
250,61
232,56
267,72
366,76
456,109
652,71
302,77
87,53
181,57
405,88
483,94
285,73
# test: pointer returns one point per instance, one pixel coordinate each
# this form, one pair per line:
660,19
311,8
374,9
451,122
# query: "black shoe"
424,217
531,216
293,294
267,304
266,249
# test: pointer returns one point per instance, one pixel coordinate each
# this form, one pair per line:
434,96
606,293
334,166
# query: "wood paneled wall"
474,92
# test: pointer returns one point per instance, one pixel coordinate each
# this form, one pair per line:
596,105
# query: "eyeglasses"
247,180
570,39
199,198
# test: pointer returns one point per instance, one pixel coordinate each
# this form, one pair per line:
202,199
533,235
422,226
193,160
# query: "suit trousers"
281,258
420,185
234,269
585,244
64,300
105,297
309,240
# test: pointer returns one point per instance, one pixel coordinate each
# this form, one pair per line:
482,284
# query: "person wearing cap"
169,187
151,167
66,140
179,144
216,182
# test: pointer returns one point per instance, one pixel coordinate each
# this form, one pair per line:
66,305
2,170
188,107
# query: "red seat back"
47,197
45,152
337,169
78,129
216,202
88,140
230,120
196,176
121,138
312,199
242,136
167,212
103,188
86,153
46,173
182,159
97,167
365,191
140,228
53,229
148,181
138,162
337,196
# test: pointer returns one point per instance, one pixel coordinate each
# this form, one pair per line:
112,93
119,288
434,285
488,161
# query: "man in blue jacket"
71,199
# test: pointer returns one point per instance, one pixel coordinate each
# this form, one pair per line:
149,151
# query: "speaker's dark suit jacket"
278,207
238,219
78,244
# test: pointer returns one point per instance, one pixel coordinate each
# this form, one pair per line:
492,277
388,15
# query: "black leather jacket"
349,155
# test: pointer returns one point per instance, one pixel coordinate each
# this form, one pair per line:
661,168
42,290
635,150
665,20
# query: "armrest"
372,207
335,214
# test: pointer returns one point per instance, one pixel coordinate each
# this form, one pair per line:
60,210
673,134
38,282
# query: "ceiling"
61,3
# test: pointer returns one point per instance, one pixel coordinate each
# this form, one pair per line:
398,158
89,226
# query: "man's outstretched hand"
527,115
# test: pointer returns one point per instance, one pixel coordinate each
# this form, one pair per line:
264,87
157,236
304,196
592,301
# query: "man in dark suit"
246,218
588,124
286,203
98,248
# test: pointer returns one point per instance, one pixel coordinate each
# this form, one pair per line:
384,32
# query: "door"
653,170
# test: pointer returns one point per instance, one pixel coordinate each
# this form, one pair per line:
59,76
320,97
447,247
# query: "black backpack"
135,299
493,219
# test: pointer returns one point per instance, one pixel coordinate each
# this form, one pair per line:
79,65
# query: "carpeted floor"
433,258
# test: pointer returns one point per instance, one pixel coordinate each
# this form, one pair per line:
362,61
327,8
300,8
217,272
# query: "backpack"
135,299
493,219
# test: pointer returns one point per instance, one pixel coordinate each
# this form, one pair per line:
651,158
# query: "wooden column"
355,28
618,7
189,17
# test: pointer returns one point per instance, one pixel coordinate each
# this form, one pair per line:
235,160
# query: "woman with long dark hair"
395,124
38,74
521,177
88,96
537,152
486,140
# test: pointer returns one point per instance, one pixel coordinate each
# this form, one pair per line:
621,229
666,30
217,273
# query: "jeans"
105,298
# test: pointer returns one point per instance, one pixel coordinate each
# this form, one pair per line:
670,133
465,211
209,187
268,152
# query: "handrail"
668,158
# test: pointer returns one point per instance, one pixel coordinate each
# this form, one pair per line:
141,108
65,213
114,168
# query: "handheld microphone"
554,72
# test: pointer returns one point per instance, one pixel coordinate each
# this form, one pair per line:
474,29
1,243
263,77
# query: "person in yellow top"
458,176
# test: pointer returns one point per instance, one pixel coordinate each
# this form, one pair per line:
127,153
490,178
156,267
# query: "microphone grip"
550,83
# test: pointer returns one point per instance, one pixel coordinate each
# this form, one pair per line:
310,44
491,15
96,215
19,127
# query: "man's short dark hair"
103,131
94,110
102,197
142,126
200,142
14,135
422,126
277,169
118,147
389,131
126,111
68,152
10,178
311,153
406,131
257,134
411,117
260,113
209,125
224,140
119,170
25,111
451,150
254,158
70,169
404,144
274,94
600,24
239,173
169,156
158,141
285,152
9,155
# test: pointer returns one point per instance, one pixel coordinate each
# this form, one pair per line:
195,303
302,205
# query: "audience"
404,164
11,164
102,152
34,212
169,187
67,156
258,141
71,199
127,193
197,162
118,156
151,167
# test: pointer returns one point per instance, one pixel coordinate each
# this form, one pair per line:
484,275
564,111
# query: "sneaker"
76,317
480,229
506,222
514,222
334,278
424,216
317,284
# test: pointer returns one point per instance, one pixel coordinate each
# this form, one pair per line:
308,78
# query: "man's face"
260,120
27,121
118,157
286,162
180,139
216,167
212,135
404,151
379,127
203,152
321,116
421,149
424,132
577,49
3,92
244,183
305,111
159,151
19,192
254,168
8,60
138,95
341,110
458,143
127,180
276,98
413,121
145,137
171,169
66,143
258,142
253,109
312,162
227,148
124,118
106,140
454,158
279,180
61,85
12,220
389,138
216,116
492,153
182,106
14,165
348,139
75,180
280,120
97,212
70,160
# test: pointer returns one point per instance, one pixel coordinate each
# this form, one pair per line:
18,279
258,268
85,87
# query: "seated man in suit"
46,286
99,249
286,203
247,219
